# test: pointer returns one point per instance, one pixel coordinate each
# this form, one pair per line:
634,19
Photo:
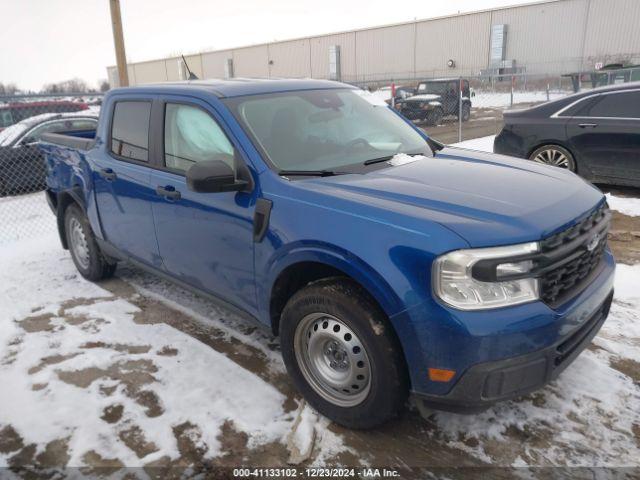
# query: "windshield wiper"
388,157
379,160
310,173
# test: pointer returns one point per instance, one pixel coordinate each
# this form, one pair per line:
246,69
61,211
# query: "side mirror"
213,176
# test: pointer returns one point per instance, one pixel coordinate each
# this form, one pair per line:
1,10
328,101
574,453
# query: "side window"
6,119
614,105
130,130
59,126
191,135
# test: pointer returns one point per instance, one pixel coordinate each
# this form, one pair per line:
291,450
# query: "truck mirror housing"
213,176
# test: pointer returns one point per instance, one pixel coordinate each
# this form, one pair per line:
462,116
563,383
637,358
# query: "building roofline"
354,30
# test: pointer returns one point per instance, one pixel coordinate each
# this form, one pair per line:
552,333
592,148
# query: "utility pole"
118,40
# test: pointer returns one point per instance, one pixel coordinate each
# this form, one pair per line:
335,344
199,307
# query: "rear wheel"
554,155
342,355
85,253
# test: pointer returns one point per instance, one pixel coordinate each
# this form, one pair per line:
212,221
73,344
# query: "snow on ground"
483,144
489,99
24,216
624,205
484,99
77,366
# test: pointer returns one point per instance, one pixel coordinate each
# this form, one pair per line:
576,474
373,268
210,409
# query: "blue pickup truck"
387,263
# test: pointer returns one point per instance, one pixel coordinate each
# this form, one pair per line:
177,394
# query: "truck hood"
485,198
425,97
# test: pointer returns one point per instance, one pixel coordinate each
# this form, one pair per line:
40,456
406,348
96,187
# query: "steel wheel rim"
332,359
553,157
79,244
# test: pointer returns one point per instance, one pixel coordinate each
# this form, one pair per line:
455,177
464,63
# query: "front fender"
333,256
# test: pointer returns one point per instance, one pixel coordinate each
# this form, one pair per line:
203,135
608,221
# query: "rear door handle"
168,192
108,174
587,125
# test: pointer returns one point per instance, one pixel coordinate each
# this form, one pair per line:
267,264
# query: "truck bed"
77,139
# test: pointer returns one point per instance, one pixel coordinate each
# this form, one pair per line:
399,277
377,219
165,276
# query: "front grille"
573,262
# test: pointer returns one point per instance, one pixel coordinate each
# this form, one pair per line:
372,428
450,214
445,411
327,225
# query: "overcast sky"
45,41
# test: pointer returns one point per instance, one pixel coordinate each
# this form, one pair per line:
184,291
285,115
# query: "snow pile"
482,144
624,205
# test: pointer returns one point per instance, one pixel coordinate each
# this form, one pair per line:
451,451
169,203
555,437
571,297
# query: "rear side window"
614,105
130,130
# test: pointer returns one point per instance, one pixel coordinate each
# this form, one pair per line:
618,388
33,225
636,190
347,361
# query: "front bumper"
500,353
487,383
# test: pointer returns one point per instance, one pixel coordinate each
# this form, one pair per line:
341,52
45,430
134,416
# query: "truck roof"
237,86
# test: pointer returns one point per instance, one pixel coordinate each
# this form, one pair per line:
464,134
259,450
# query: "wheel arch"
63,200
298,267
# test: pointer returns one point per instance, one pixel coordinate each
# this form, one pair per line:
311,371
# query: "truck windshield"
433,87
325,129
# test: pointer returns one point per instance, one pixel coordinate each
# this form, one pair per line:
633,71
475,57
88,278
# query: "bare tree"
67,86
103,85
8,89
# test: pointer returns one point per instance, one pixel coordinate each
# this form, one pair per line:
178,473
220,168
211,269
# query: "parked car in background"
401,93
21,164
387,263
595,133
15,112
435,99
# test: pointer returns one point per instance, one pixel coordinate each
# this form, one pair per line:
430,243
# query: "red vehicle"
17,111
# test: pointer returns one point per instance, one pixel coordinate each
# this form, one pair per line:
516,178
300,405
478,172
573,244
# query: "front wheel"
554,155
342,355
85,253
434,117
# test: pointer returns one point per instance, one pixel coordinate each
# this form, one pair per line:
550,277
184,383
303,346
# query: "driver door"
204,239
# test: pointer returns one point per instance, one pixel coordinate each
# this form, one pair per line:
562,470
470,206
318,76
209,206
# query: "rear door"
122,176
205,239
605,135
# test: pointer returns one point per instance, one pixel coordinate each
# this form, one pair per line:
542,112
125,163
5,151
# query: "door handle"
168,192
108,174
587,125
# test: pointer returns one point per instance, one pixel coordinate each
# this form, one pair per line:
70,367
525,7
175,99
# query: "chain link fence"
23,119
437,109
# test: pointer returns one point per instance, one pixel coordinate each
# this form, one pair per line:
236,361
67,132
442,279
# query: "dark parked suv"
436,98
594,133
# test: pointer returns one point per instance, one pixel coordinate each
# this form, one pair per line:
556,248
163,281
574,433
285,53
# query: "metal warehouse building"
550,37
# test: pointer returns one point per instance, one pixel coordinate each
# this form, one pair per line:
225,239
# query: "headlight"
455,284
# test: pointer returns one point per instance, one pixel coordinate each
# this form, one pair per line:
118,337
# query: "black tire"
387,374
434,117
555,156
466,112
95,266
